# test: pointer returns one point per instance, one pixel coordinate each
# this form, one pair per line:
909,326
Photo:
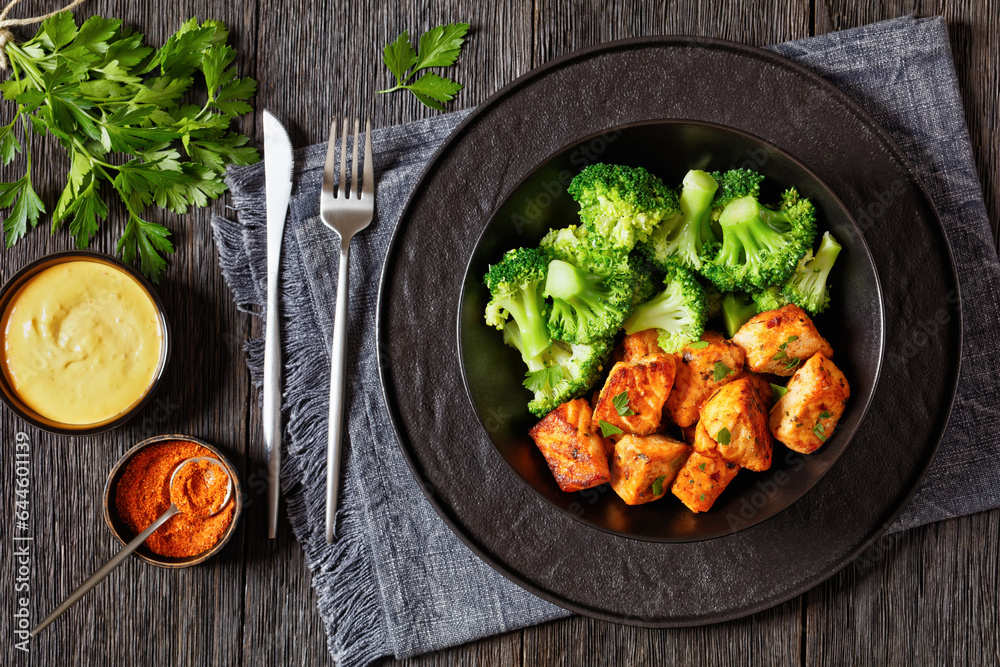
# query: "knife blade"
278,164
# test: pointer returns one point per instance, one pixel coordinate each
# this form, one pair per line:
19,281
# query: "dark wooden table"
927,596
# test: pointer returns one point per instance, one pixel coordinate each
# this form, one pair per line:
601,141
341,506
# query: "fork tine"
369,177
342,190
331,156
354,162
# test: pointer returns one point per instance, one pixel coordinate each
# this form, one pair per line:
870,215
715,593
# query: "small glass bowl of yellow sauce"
84,342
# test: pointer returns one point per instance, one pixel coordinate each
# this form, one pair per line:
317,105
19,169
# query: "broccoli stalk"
621,204
687,237
678,313
760,246
807,288
515,284
563,372
585,306
737,309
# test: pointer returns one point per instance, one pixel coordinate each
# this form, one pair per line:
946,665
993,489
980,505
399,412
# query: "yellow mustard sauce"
82,342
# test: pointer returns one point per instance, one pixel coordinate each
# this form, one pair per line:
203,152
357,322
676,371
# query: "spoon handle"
106,569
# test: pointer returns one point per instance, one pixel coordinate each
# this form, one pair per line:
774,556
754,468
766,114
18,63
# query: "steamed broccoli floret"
678,313
769,299
713,300
687,236
621,204
807,288
760,246
586,306
645,278
584,248
737,309
564,371
734,184
515,284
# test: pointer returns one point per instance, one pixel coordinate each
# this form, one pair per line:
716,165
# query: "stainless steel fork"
347,211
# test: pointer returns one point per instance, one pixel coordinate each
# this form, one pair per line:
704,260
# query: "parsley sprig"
439,47
123,112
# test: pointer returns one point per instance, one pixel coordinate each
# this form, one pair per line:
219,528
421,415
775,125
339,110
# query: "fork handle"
338,361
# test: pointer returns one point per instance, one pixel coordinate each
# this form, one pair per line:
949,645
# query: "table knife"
278,186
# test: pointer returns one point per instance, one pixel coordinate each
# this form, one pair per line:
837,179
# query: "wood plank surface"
928,596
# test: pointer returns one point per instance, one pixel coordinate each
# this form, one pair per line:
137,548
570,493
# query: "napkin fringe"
347,593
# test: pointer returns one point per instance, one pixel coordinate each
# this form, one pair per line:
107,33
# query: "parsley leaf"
620,401
543,380
658,485
824,415
721,371
439,47
724,437
608,429
126,114
779,391
399,56
698,345
819,431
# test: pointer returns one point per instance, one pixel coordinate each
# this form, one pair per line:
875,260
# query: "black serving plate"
558,552
494,372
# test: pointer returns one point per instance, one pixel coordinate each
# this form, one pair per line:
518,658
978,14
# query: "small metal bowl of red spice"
138,491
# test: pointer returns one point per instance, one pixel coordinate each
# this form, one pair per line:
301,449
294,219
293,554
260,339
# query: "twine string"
6,35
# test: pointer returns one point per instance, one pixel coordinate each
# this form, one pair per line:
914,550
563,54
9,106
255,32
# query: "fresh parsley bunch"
126,115
439,47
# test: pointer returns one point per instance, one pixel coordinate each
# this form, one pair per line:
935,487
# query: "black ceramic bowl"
494,372
10,397
124,535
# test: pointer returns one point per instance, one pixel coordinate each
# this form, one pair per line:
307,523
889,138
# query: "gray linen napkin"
398,581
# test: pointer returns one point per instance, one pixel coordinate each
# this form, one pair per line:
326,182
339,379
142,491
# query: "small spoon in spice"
195,487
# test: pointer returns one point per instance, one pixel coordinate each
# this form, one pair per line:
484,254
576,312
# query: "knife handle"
272,404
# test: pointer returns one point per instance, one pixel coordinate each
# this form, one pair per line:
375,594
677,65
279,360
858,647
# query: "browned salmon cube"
643,386
804,418
576,455
703,479
734,423
779,341
644,464
698,365
638,344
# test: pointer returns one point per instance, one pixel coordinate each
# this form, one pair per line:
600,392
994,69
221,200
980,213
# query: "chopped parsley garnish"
620,402
824,415
818,431
698,345
703,496
721,371
609,429
658,485
702,467
779,391
724,437
792,363
781,353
